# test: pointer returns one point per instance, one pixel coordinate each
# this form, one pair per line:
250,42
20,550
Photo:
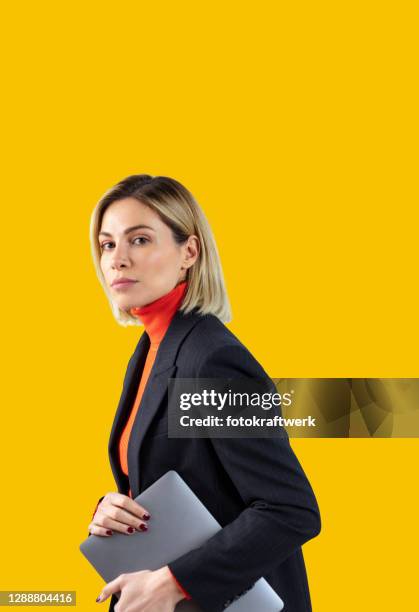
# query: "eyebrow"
130,229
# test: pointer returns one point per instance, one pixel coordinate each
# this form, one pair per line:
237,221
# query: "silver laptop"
172,505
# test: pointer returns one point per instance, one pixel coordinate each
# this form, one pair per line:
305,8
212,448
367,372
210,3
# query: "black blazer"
255,488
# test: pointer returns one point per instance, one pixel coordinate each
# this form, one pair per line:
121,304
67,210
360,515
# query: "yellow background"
295,126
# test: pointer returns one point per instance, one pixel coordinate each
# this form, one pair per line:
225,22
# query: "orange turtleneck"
156,318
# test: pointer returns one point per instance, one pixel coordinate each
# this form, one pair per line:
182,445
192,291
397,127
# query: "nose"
120,258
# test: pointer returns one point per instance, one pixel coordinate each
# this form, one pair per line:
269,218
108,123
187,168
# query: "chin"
126,302
125,306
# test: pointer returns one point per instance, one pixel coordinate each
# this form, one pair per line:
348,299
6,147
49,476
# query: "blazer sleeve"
281,510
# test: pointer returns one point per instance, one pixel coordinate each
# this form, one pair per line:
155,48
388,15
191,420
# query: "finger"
108,516
104,520
112,587
100,531
128,504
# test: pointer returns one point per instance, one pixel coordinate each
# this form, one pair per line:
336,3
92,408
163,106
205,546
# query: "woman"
157,260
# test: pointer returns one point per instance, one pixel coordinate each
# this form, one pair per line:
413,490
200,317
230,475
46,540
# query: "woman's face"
138,247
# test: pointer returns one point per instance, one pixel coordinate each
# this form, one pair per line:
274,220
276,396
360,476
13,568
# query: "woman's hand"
144,591
117,512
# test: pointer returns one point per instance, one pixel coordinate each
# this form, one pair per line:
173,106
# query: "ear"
191,251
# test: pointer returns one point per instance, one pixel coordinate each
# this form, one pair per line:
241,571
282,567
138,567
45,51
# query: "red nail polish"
108,532
146,516
143,527
130,529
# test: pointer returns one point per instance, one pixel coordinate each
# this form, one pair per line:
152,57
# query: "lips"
121,282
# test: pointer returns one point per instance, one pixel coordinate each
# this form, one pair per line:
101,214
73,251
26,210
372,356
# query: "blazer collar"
164,367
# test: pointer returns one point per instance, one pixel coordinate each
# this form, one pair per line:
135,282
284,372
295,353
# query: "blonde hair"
178,209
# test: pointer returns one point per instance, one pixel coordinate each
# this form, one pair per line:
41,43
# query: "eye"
104,246
141,240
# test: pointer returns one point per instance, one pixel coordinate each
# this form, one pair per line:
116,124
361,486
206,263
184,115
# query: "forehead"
128,212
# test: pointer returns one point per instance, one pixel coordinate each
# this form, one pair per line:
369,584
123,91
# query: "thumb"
112,587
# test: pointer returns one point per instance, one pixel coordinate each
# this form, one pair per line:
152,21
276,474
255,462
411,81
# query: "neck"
157,315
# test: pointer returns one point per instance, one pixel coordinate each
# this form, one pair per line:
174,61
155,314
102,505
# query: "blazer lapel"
153,396
163,368
129,392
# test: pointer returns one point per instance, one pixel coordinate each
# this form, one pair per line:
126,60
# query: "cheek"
103,266
162,259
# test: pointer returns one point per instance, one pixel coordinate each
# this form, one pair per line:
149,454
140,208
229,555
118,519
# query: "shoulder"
211,334
212,348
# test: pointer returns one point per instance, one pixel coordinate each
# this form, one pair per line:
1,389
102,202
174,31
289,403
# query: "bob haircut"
179,210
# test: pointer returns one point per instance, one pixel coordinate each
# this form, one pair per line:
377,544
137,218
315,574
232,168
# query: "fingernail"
130,529
146,516
98,599
143,527
108,532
